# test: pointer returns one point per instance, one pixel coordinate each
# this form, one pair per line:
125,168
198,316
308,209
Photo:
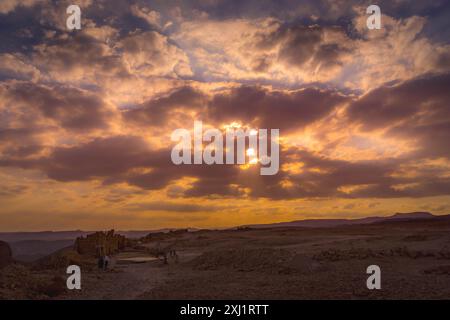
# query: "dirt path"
125,281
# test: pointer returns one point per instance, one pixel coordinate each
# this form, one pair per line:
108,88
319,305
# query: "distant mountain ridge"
311,223
325,223
30,246
67,235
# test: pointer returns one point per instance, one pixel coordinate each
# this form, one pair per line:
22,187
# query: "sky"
86,115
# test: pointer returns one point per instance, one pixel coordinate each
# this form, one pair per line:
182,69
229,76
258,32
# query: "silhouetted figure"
105,263
173,255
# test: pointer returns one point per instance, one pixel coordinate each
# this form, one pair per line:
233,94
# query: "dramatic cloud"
26,103
86,115
417,110
266,48
156,111
287,110
102,157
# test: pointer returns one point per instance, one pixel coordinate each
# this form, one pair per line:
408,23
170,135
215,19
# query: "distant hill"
67,235
42,235
326,223
31,250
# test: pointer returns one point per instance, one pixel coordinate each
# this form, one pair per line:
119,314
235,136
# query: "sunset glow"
86,115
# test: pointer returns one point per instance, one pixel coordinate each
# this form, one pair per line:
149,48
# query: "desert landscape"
219,149
325,260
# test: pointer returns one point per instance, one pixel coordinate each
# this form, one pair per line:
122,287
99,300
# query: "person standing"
105,263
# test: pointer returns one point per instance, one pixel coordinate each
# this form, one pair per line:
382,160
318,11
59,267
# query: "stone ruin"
100,243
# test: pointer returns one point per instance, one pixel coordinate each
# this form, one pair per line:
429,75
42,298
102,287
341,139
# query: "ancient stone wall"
100,243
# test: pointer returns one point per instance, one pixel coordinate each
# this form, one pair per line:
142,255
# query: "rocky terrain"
282,262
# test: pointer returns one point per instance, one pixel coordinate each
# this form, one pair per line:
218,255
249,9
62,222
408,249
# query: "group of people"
103,262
